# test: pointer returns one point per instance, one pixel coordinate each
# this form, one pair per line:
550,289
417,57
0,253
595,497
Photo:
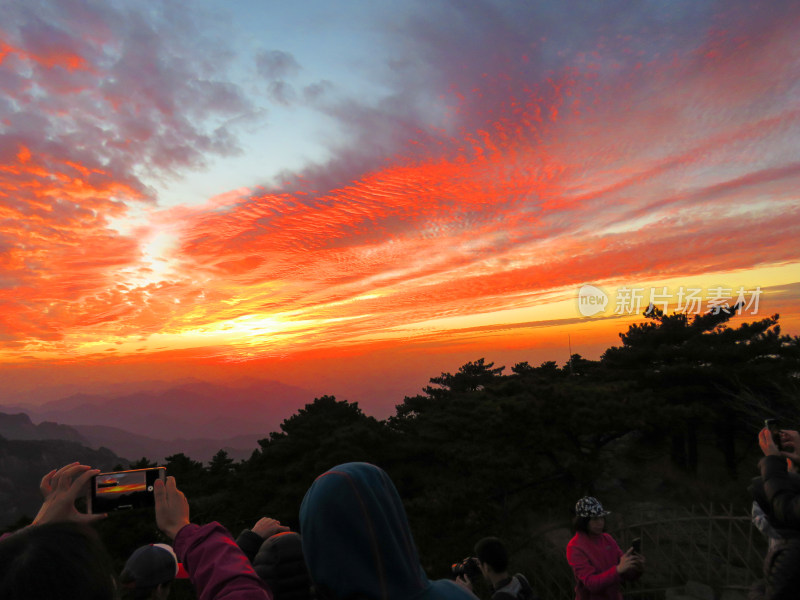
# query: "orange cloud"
57,246
612,167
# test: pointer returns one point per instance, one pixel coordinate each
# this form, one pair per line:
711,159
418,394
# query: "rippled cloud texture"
516,151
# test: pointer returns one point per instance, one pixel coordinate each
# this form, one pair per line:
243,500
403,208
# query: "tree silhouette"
479,452
319,436
469,378
701,367
142,463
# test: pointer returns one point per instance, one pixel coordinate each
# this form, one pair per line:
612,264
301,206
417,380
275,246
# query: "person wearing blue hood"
357,541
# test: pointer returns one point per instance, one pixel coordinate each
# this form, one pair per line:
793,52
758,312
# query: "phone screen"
124,490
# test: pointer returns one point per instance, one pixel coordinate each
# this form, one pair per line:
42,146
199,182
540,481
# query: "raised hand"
172,508
61,488
767,444
630,562
267,527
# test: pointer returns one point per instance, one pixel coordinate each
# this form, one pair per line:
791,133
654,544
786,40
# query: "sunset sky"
353,196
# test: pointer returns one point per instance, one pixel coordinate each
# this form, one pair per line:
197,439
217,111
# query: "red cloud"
48,57
593,160
577,179
57,246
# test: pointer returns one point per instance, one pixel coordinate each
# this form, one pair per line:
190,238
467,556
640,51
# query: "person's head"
356,537
590,516
56,561
280,562
492,556
148,573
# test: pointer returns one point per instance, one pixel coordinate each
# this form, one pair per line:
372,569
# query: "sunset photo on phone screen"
120,483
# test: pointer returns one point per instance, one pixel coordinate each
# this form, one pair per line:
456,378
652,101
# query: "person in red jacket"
595,557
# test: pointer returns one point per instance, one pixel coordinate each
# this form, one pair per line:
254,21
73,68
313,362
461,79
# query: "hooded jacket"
357,541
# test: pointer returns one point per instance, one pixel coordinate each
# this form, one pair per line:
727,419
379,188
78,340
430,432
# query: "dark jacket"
279,561
778,493
357,541
515,587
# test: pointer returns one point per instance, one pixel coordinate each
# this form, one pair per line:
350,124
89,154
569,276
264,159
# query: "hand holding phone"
124,490
775,431
61,488
636,544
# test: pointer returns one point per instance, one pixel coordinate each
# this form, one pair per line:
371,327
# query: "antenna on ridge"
569,342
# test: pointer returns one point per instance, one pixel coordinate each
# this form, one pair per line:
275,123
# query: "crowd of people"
356,544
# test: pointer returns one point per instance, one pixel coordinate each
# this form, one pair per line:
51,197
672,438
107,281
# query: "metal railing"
715,545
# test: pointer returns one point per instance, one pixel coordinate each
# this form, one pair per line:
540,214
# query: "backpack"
516,589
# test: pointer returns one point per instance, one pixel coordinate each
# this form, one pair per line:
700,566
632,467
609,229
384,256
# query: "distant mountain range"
48,393
20,427
23,462
117,427
129,446
195,418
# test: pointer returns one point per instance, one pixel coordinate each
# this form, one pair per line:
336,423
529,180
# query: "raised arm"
781,491
217,567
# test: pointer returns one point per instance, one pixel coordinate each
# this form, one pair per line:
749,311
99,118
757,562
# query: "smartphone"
123,490
636,544
775,430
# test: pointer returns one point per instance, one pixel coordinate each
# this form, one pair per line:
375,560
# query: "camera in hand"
469,567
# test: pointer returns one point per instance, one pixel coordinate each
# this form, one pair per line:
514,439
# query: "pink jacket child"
595,557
